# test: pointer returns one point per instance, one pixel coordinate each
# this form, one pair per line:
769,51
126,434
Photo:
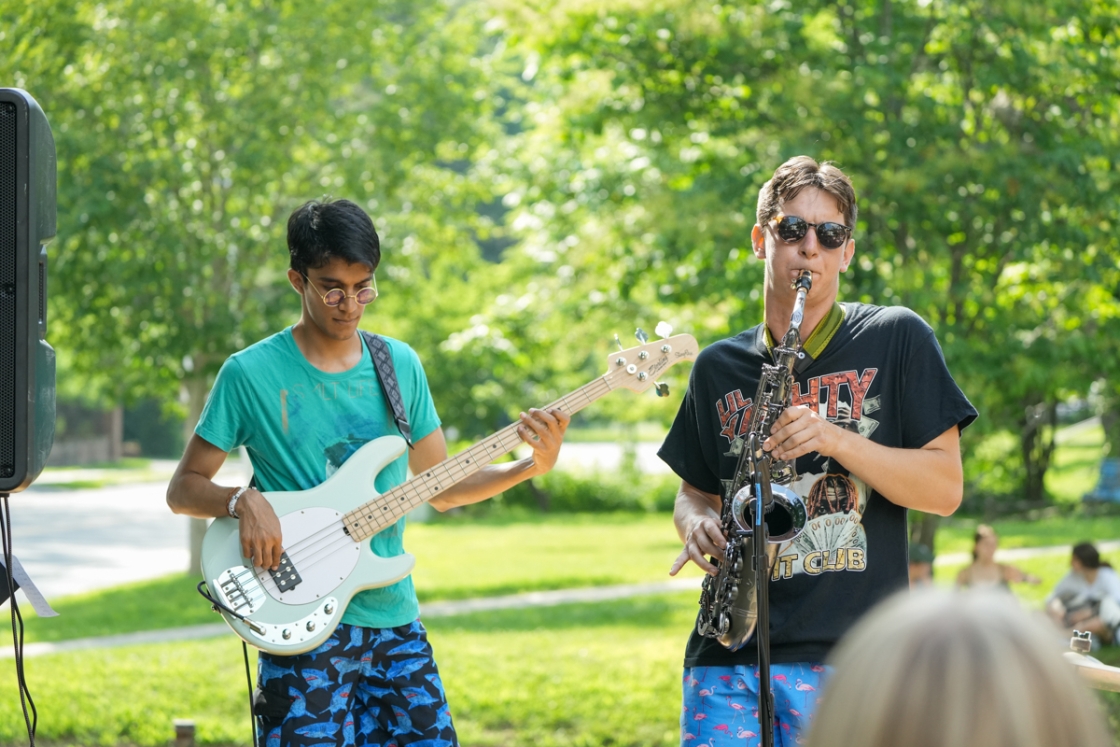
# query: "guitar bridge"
286,576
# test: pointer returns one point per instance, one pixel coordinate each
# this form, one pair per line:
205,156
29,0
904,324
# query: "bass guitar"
327,558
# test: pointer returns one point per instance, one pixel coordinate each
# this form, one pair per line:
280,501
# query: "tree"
979,136
186,134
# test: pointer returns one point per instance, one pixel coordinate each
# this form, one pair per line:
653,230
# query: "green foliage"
187,133
597,491
979,136
606,156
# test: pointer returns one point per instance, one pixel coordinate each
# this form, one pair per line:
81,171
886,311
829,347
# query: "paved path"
72,541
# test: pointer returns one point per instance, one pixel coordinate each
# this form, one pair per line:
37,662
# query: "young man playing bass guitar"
302,402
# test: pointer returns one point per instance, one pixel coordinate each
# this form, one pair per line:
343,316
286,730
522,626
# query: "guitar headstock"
636,368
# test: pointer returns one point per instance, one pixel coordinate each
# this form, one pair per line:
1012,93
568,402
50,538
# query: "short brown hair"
798,173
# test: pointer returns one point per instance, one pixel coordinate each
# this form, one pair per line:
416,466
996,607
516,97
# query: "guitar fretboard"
370,518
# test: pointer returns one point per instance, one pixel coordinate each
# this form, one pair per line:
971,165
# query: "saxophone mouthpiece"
804,280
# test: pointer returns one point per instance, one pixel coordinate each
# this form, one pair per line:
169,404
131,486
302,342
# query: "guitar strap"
383,363
387,376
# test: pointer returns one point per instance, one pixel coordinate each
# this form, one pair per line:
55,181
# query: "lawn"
580,674
589,674
457,559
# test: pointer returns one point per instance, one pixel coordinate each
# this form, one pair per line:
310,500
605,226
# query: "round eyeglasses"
335,296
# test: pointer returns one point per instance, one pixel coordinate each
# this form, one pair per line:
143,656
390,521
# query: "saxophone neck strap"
818,340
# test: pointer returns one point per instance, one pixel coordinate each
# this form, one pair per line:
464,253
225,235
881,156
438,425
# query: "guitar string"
410,490
306,555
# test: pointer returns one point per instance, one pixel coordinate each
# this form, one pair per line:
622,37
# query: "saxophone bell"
785,518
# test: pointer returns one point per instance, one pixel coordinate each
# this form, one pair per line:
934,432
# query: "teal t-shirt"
300,424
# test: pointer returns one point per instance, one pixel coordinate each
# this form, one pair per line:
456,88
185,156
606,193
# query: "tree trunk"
1110,421
1037,444
195,387
923,529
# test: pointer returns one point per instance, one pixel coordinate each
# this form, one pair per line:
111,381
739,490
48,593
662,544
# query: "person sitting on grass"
984,571
1088,597
955,669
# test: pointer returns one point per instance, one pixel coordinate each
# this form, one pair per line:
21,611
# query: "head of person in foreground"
963,669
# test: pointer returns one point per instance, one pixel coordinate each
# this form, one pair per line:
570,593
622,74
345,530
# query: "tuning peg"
663,330
618,342
661,390
641,335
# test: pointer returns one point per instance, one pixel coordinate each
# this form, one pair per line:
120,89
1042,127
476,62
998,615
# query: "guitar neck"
370,518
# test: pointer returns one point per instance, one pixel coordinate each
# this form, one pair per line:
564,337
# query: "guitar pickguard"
320,551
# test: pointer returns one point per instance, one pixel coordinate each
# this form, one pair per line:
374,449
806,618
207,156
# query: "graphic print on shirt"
834,538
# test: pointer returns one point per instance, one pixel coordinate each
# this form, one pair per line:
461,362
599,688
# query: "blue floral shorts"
364,687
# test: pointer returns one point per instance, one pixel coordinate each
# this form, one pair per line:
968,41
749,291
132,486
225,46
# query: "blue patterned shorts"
364,687
720,705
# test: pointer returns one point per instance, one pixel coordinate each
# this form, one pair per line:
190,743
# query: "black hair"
1088,556
319,232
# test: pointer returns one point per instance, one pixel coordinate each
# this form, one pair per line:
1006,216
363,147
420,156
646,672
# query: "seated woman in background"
984,571
1088,597
955,669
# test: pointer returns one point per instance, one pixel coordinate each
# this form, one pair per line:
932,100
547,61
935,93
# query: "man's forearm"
928,479
195,495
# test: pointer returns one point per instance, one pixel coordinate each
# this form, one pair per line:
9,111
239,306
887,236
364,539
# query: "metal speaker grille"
8,250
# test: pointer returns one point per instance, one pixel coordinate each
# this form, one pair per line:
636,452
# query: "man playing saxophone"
872,427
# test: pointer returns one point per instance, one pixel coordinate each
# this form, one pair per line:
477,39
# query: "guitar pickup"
286,576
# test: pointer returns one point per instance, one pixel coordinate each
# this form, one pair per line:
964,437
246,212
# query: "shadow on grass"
658,611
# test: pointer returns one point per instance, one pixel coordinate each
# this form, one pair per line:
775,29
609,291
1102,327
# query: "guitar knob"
310,625
286,634
328,608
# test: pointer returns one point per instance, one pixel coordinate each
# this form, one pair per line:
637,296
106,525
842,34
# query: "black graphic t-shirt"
883,376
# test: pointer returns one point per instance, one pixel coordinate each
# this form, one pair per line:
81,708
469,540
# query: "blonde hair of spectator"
961,669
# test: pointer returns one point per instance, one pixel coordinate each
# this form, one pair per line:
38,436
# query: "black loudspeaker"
28,184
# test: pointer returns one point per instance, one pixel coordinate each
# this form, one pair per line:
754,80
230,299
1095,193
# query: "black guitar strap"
383,363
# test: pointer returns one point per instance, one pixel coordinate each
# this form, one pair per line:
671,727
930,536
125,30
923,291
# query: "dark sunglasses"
793,229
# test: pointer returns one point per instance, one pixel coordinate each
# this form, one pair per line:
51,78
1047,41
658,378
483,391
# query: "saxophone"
728,600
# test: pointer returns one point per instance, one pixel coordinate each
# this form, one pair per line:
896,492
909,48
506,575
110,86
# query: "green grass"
496,555
1076,463
457,559
579,675
956,533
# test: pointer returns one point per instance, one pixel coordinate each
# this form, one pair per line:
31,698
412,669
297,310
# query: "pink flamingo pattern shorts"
720,704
